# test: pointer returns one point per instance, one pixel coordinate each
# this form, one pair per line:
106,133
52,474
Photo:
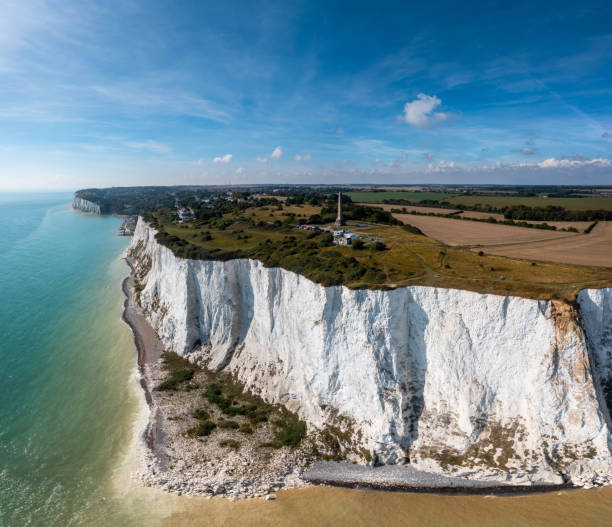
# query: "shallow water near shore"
71,407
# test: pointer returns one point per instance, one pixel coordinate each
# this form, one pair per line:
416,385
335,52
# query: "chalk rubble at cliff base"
199,466
479,386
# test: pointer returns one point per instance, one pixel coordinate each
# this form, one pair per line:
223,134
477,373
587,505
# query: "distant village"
341,235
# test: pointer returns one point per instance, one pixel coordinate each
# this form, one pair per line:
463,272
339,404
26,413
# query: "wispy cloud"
150,145
302,158
163,100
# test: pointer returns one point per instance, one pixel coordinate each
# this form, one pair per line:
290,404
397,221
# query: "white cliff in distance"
85,205
452,381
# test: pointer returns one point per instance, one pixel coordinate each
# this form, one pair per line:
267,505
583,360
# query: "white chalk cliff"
85,205
452,381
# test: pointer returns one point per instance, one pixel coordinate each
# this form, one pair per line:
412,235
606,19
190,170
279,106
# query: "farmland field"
409,208
464,232
378,197
580,225
590,203
584,203
587,249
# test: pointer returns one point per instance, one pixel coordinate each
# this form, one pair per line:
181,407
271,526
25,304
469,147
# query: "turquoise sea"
66,361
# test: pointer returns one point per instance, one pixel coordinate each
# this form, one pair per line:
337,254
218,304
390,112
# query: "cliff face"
85,205
596,317
481,385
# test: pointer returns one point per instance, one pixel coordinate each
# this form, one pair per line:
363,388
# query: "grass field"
378,197
422,210
584,203
590,203
408,258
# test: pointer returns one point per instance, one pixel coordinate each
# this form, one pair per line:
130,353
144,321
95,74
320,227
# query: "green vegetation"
590,227
202,414
246,429
231,400
409,196
232,425
267,232
230,397
178,371
290,433
230,443
205,428
500,202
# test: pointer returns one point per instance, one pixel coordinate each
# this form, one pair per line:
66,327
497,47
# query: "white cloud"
305,157
420,112
199,161
277,153
575,161
227,158
150,145
441,166
240,170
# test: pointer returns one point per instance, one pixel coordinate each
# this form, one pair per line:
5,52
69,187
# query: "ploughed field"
593,249
580,226
402,256
459,232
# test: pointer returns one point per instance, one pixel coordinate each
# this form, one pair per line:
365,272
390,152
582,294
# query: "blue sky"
131,92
